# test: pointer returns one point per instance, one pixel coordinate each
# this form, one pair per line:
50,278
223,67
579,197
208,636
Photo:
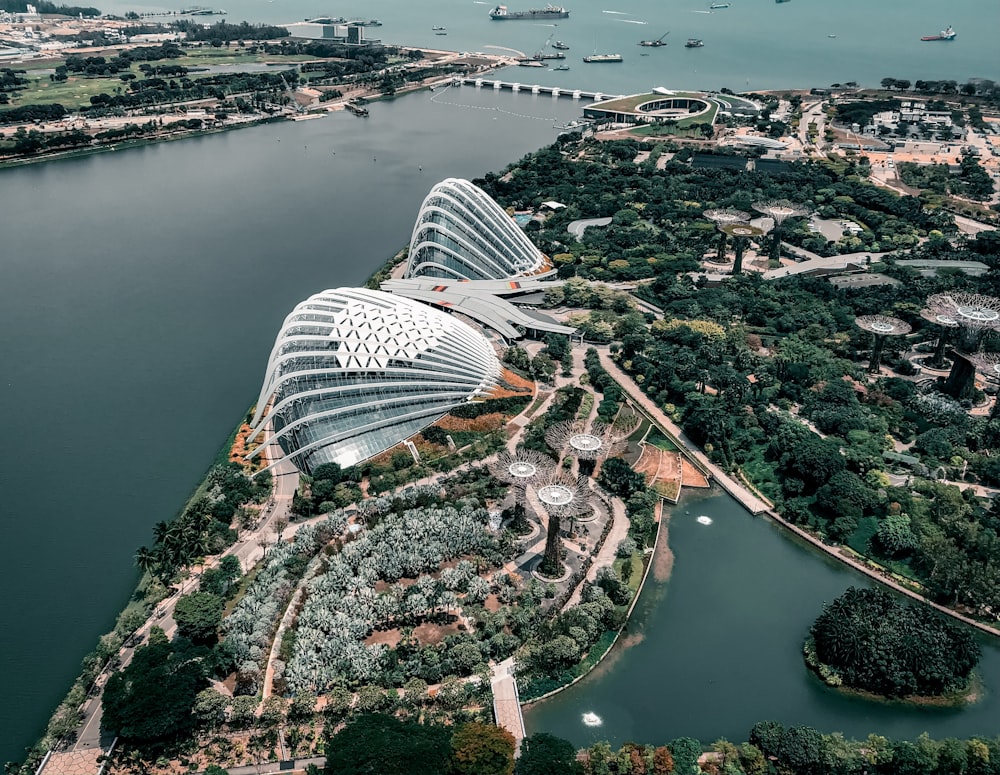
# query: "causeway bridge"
555,91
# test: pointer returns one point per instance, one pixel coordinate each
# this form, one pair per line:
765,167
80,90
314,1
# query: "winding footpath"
757,506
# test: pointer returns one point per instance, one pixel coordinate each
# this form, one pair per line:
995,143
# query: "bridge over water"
555,91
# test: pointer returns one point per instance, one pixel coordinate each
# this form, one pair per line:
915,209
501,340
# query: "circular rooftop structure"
585,442
555,495
883,325
522,469
966,310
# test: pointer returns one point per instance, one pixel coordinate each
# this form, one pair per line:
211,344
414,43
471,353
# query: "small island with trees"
869,642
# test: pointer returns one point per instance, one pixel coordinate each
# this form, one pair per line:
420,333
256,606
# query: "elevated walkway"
507,703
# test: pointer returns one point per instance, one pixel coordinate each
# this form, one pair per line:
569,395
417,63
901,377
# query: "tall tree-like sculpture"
741,233
724,217
601,441
974,315
945,325
779,211
988,364
881,327
563,497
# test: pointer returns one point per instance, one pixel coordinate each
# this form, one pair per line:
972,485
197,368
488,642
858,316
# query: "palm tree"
145,560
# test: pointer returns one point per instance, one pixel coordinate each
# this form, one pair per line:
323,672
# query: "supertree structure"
740,232
975,315
563,496
520,468
602,440
988,364
881,327
779,211
945,324
723,217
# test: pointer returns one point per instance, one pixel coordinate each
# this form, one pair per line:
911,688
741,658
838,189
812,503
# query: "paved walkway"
249,551
506,702
750,501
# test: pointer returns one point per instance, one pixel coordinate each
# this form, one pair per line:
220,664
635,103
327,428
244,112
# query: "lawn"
658,440
70,93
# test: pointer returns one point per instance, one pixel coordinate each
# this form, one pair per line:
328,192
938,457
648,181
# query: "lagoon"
718,647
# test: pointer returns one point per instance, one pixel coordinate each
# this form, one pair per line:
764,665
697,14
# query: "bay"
753,44
140,293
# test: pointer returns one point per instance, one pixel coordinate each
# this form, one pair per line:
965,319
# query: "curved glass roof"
354,372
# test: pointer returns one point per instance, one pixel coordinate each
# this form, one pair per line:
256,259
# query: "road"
249,551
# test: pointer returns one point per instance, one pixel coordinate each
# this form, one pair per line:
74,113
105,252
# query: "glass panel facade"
461,233
353,372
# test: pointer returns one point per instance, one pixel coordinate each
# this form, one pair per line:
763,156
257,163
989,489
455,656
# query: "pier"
555,91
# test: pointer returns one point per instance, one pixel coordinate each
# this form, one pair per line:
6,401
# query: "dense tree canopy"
877,644
150,701
377,744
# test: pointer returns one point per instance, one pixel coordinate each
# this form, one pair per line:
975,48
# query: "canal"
718,647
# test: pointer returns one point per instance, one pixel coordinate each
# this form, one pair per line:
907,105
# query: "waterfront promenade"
82,757
756,505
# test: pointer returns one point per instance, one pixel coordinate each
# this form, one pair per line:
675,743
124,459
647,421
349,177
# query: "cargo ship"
948,34
502,13
603,58
655,43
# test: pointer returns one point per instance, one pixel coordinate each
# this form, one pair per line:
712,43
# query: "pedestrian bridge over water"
555,91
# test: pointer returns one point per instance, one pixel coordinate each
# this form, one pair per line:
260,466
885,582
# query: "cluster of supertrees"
963,320
562,495
735,224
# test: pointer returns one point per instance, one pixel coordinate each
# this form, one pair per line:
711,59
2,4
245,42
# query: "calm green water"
140,292
719,648
755,44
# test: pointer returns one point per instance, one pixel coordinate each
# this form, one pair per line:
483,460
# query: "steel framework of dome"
520,468
778,210
461,233
353,372
602,440
973,314
881,327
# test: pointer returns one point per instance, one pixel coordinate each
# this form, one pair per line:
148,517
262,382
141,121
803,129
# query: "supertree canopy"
520,468
974,315
573,438
945,324
881,327
563,497
779,210
740,232
722,217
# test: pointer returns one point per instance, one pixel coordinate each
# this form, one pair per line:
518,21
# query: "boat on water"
655,43
947,34
503,13
439,29
597,58
694,43
831,35
560,46
440,33
561,67
529,63
714,6
781,1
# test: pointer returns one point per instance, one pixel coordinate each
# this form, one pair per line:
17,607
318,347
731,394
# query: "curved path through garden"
757,506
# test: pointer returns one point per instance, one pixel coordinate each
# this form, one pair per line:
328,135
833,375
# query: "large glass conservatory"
354,372
461,233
